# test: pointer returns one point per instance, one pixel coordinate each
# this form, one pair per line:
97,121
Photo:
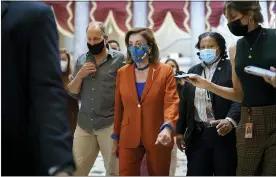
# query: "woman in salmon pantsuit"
146,108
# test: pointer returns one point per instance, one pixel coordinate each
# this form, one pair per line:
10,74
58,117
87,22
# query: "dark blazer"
35,131
222,108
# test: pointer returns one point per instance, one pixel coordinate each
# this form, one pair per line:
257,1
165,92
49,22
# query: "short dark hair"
244,7
175,62
114,41
151,42
219,39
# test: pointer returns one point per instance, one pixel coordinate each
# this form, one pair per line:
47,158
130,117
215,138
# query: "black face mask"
237,28
96,48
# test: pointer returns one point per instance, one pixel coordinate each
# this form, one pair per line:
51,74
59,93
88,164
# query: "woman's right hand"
180,142
198,81
115,148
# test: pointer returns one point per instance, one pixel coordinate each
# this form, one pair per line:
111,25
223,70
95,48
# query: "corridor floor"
98,168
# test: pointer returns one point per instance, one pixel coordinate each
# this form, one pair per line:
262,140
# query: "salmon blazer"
140,121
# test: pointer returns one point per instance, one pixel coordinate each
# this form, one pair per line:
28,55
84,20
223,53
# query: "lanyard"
208,93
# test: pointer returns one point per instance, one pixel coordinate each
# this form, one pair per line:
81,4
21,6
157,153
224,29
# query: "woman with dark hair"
205,129
173,63
66,68
256,153
114,44
180,82
146,108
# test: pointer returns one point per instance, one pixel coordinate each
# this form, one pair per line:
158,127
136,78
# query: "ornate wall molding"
159,10
64,14
117,13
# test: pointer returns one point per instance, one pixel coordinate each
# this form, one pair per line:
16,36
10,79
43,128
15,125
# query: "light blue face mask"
208,56
138,54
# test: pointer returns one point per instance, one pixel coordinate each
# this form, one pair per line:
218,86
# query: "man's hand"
164,137
180,142
224,126
271,80
86,69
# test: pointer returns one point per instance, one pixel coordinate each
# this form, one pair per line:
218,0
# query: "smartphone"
183,76
258,71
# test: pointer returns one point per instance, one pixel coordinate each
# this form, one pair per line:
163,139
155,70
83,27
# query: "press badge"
248,130
209,112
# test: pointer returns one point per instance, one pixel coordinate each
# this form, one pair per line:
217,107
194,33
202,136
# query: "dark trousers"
209,154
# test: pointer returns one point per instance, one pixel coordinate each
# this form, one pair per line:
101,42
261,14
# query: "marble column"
69,44
140,15
81,22
265,13
197,26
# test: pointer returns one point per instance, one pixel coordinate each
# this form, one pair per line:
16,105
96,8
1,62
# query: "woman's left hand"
224,126
271,80
164,137
198,81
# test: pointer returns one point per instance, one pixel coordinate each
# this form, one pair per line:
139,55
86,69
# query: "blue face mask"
208,55
138,54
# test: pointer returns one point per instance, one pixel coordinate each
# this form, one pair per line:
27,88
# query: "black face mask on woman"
237,28
96,48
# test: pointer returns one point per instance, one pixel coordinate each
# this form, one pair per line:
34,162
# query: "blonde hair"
70,65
